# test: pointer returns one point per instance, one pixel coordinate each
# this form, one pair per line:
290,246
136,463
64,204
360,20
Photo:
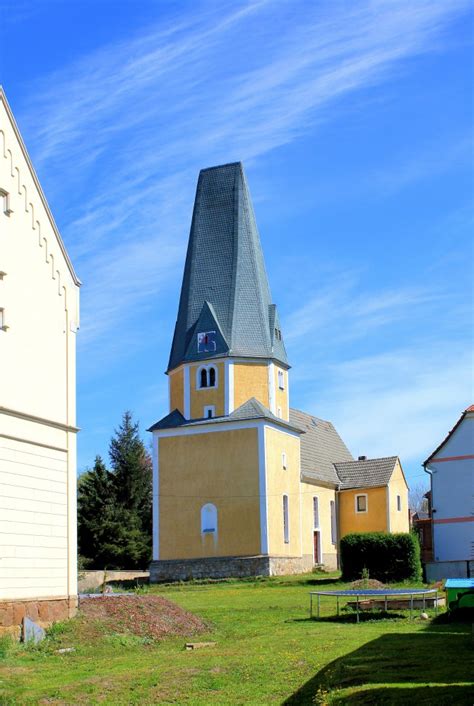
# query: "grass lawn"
267,652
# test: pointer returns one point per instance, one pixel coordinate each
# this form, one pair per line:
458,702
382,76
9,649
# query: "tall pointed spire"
225,284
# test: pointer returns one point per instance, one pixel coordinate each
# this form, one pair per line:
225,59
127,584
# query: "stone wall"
90,580
227,567
43,612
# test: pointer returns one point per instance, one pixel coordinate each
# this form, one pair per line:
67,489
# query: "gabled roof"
369,473
250,410
16,130
321,447
225,269
468,410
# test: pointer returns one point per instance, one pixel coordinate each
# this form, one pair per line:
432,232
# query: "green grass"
267,652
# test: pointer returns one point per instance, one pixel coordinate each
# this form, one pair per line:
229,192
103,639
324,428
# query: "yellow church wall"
203,397
250,380
176,383
374,520
283,482
397,486
281,396
325,496
219,468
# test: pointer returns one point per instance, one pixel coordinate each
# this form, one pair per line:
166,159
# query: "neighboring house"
451,469
243,484
422,525
39,314
373,496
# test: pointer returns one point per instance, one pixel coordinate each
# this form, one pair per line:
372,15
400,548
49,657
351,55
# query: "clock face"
206,342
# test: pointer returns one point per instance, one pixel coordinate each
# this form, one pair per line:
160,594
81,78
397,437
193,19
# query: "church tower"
226,457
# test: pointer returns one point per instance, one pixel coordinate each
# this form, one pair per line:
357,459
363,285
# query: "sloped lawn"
267,652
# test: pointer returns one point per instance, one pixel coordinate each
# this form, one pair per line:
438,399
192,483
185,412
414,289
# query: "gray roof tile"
365,474
321,447
225,268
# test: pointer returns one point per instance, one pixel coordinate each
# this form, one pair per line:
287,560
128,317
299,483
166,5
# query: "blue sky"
353,121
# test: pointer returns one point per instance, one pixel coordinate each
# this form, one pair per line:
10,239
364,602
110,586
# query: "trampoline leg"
411,607
337,602
436,603
311,605
424,602
319,605
386,604
357,607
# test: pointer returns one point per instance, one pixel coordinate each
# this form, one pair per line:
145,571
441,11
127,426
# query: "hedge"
386,557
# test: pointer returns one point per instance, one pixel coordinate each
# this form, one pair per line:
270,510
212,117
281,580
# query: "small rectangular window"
361,503
5,202
284,461
281,379
399,503
209,411
333,522
315,513
3,325
279,412
286,530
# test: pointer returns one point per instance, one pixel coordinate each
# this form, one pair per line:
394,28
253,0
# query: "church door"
317,559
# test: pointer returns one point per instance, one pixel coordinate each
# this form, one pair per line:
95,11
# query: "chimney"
362,458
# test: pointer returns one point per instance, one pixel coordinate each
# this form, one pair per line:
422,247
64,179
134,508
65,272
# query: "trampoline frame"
371,592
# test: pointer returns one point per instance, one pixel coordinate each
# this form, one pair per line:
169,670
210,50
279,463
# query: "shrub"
386,557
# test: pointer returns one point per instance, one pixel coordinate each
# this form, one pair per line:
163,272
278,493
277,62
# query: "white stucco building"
39,317
451,468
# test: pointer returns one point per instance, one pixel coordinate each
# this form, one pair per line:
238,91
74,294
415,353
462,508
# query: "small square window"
361,503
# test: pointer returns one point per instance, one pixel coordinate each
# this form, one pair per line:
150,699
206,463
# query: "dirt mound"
367,583
146,616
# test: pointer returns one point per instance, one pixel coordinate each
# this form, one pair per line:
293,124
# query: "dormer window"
206,377
206,342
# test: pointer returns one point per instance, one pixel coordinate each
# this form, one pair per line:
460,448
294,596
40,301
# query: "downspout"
338,528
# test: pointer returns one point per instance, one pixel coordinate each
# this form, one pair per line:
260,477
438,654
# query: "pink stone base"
43,612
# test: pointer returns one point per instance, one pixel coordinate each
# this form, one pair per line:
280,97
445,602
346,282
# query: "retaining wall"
90,580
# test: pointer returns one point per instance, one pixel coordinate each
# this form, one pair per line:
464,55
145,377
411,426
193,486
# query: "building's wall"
375,520
279,482
281,396
220,467
250,380
399,520
452,482
176,387
200,398
328,548
37,384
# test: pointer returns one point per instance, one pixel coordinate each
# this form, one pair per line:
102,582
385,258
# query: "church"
243,484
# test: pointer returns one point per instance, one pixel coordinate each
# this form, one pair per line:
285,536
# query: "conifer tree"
95,512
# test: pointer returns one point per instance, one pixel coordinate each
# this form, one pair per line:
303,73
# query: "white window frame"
209,517
317,525
5,201
205,333
209,408
281,380
198,377
286,520
399,503
361,495
284,461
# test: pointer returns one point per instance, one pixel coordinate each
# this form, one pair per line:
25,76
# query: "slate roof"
370,473
252,409
321,447
225,285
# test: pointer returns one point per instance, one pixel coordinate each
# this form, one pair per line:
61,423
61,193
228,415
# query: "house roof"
371,472
468,410
250,410
321,447
225,286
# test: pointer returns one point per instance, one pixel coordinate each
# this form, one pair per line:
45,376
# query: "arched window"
209,519
206,376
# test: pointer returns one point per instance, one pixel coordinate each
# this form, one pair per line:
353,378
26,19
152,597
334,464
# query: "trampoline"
385,593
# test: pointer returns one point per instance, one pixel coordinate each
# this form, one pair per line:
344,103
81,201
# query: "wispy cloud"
128,127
